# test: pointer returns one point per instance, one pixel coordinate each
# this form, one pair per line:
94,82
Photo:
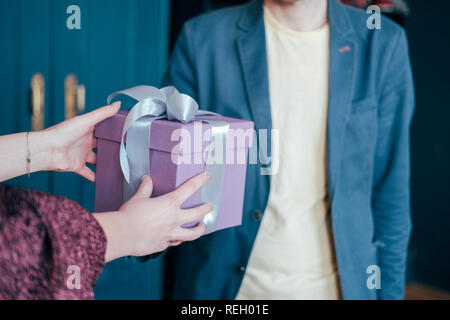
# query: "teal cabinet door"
120,43
24,51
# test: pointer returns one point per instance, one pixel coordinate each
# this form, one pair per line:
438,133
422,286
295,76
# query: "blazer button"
241,269
257,215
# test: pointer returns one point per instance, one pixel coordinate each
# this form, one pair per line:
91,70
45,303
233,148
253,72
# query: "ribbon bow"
165,103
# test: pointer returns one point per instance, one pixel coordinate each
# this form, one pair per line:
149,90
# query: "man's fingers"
194,214
188,188
145,189
91,158
189,234
101,114
87,173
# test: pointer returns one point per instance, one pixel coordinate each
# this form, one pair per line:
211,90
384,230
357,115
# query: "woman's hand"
146,225
71,142
66,146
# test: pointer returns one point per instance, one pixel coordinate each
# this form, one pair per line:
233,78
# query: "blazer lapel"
252,53
342,58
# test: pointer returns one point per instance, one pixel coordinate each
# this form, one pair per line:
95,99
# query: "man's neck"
299,15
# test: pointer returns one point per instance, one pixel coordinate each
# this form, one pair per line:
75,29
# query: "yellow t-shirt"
293,254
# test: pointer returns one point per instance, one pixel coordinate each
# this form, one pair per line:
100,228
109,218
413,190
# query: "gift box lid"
161,131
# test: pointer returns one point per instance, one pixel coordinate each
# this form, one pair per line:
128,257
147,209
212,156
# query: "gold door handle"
74,96
37,101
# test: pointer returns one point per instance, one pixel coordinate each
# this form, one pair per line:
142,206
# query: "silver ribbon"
166,103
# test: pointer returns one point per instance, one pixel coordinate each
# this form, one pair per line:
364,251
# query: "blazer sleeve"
391,184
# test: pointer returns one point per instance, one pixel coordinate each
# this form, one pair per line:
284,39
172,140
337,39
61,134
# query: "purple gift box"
166,172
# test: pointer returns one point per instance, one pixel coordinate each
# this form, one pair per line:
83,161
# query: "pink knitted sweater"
50,247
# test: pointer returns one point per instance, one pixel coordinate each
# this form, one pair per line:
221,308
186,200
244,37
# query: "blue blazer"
220,60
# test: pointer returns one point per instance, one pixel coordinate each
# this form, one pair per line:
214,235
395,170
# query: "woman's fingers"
174,243
94,142
100,114
194,214
189,234
145,189
87,173
188,188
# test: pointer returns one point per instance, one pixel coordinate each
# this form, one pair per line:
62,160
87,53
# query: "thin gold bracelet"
28,156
